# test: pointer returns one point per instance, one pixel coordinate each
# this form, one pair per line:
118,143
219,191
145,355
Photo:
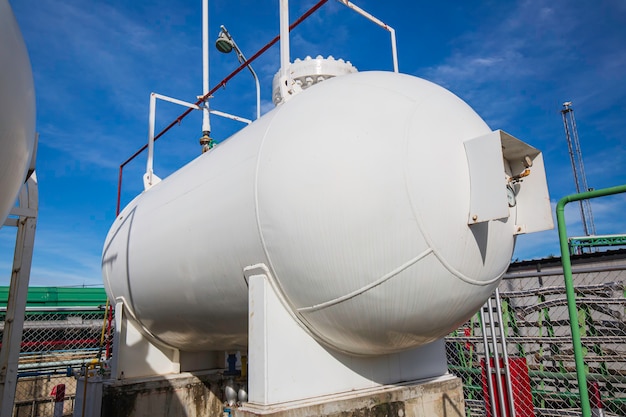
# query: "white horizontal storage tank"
355,194
17,110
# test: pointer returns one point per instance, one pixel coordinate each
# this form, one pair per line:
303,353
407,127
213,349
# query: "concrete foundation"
32,395
440,397
201,395
188,395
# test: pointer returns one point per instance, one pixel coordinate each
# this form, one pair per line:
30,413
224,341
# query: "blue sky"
96,62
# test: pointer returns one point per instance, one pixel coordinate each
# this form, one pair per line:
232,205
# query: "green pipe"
569,287
539,375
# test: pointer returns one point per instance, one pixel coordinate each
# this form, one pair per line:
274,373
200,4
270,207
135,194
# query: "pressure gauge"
510,196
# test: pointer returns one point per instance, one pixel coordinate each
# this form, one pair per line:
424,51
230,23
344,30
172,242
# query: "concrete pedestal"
201,396
185,394
439,397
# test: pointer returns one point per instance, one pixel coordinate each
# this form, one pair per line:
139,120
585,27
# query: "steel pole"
488,368
284,78
505,357
206,123
496,358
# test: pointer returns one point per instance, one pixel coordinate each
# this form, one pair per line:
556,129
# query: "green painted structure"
60,296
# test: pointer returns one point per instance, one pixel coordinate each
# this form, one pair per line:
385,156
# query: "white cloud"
74,254
534,50
60,258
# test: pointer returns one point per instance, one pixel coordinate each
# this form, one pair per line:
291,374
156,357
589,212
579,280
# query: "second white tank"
17,110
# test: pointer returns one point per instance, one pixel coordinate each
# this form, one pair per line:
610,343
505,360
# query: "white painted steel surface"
313,370
355,194
17,110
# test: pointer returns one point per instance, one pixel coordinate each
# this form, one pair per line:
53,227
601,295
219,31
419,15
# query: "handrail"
202,99
372,18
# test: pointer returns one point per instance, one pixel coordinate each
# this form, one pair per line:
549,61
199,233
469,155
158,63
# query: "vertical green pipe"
569,288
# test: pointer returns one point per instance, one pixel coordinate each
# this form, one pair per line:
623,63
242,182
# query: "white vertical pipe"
242,58
284,48
206,123
488,368
258,93
394,49
496,356
149,177
151,122
505,354
372,18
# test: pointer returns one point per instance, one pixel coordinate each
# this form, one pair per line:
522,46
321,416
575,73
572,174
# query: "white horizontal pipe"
148,177
176,101
231,116
394,49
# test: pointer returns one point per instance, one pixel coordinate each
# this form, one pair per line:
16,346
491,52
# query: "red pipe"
213,90
119,190
594,396
57,342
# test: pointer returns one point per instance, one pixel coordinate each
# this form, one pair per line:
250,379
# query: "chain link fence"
56,343
535,323
531,314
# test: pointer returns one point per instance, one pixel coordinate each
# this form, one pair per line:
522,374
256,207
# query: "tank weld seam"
256,195
268,267
465,278
126,306
368,287
429,240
